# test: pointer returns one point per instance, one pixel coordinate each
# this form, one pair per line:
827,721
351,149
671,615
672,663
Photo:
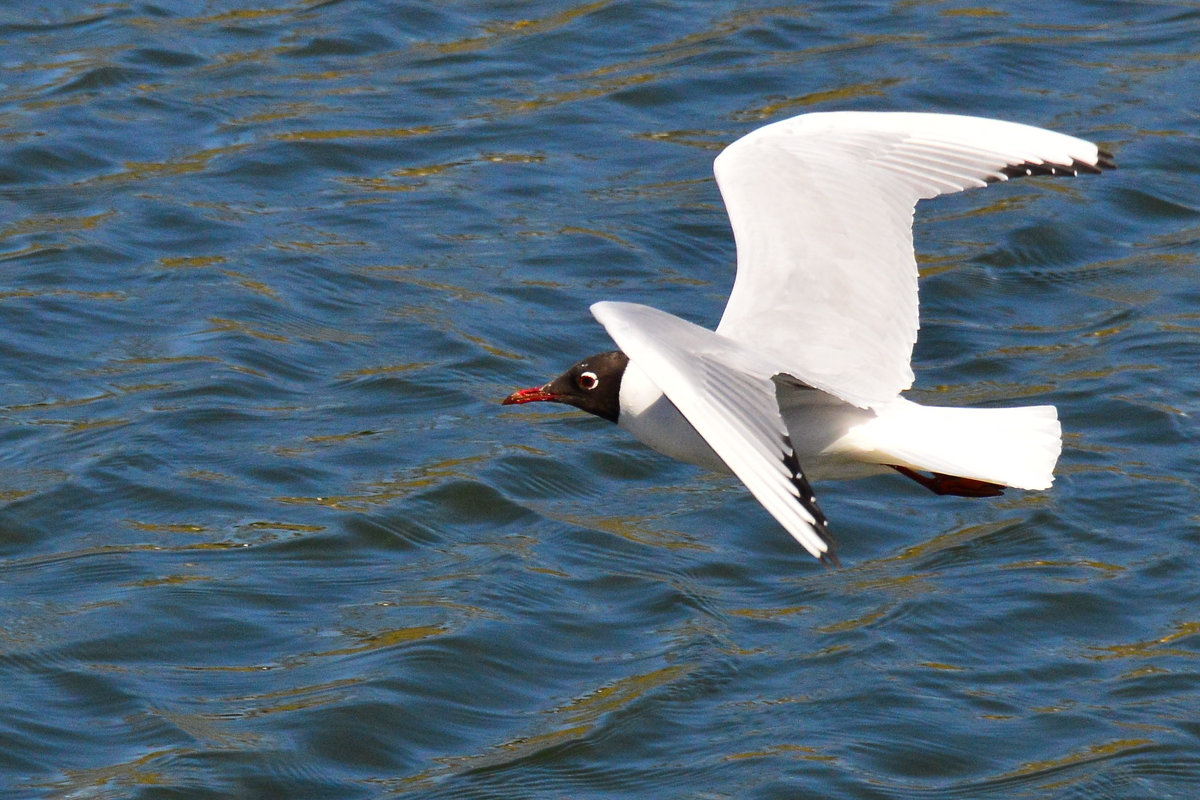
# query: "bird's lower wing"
727,394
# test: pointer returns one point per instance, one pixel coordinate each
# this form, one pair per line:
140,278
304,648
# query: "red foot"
952,484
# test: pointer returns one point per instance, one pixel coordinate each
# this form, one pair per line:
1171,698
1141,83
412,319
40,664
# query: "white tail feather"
1015,447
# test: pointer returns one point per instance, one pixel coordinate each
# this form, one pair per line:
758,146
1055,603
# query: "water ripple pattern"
266,270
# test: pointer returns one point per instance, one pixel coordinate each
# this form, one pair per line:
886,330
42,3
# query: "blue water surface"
266,270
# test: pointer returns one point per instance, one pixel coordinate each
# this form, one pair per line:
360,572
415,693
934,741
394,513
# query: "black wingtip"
1104,161
808,499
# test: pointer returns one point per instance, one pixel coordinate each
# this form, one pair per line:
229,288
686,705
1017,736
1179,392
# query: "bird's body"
833,439
814,347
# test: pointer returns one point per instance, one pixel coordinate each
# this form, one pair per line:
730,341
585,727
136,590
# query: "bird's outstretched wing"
821,207
725,391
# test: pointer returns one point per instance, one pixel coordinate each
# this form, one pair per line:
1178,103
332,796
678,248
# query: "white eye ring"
587,380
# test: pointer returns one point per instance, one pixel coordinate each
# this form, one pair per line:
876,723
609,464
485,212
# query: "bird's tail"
1009,446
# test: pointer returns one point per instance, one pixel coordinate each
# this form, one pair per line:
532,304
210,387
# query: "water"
266,532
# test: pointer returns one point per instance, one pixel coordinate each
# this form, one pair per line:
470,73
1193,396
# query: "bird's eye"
587,380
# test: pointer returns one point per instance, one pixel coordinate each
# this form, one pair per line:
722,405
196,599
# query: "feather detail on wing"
726,393
821,207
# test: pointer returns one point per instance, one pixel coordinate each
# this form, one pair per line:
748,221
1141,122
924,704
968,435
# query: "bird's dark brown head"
593,385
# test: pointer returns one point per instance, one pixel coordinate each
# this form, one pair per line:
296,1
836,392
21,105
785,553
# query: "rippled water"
266,271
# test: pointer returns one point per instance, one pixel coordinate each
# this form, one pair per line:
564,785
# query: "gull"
806,368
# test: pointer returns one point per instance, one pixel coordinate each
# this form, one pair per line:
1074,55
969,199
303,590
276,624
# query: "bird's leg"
938,483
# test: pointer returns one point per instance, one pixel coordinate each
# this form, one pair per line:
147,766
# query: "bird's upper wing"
821,207
725,391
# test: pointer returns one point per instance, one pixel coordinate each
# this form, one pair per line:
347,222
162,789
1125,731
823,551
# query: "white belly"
835,440
818,424
655,421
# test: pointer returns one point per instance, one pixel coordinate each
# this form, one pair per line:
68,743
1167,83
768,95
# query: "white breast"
653,420
820,427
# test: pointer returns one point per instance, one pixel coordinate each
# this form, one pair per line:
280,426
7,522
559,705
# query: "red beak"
533,395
